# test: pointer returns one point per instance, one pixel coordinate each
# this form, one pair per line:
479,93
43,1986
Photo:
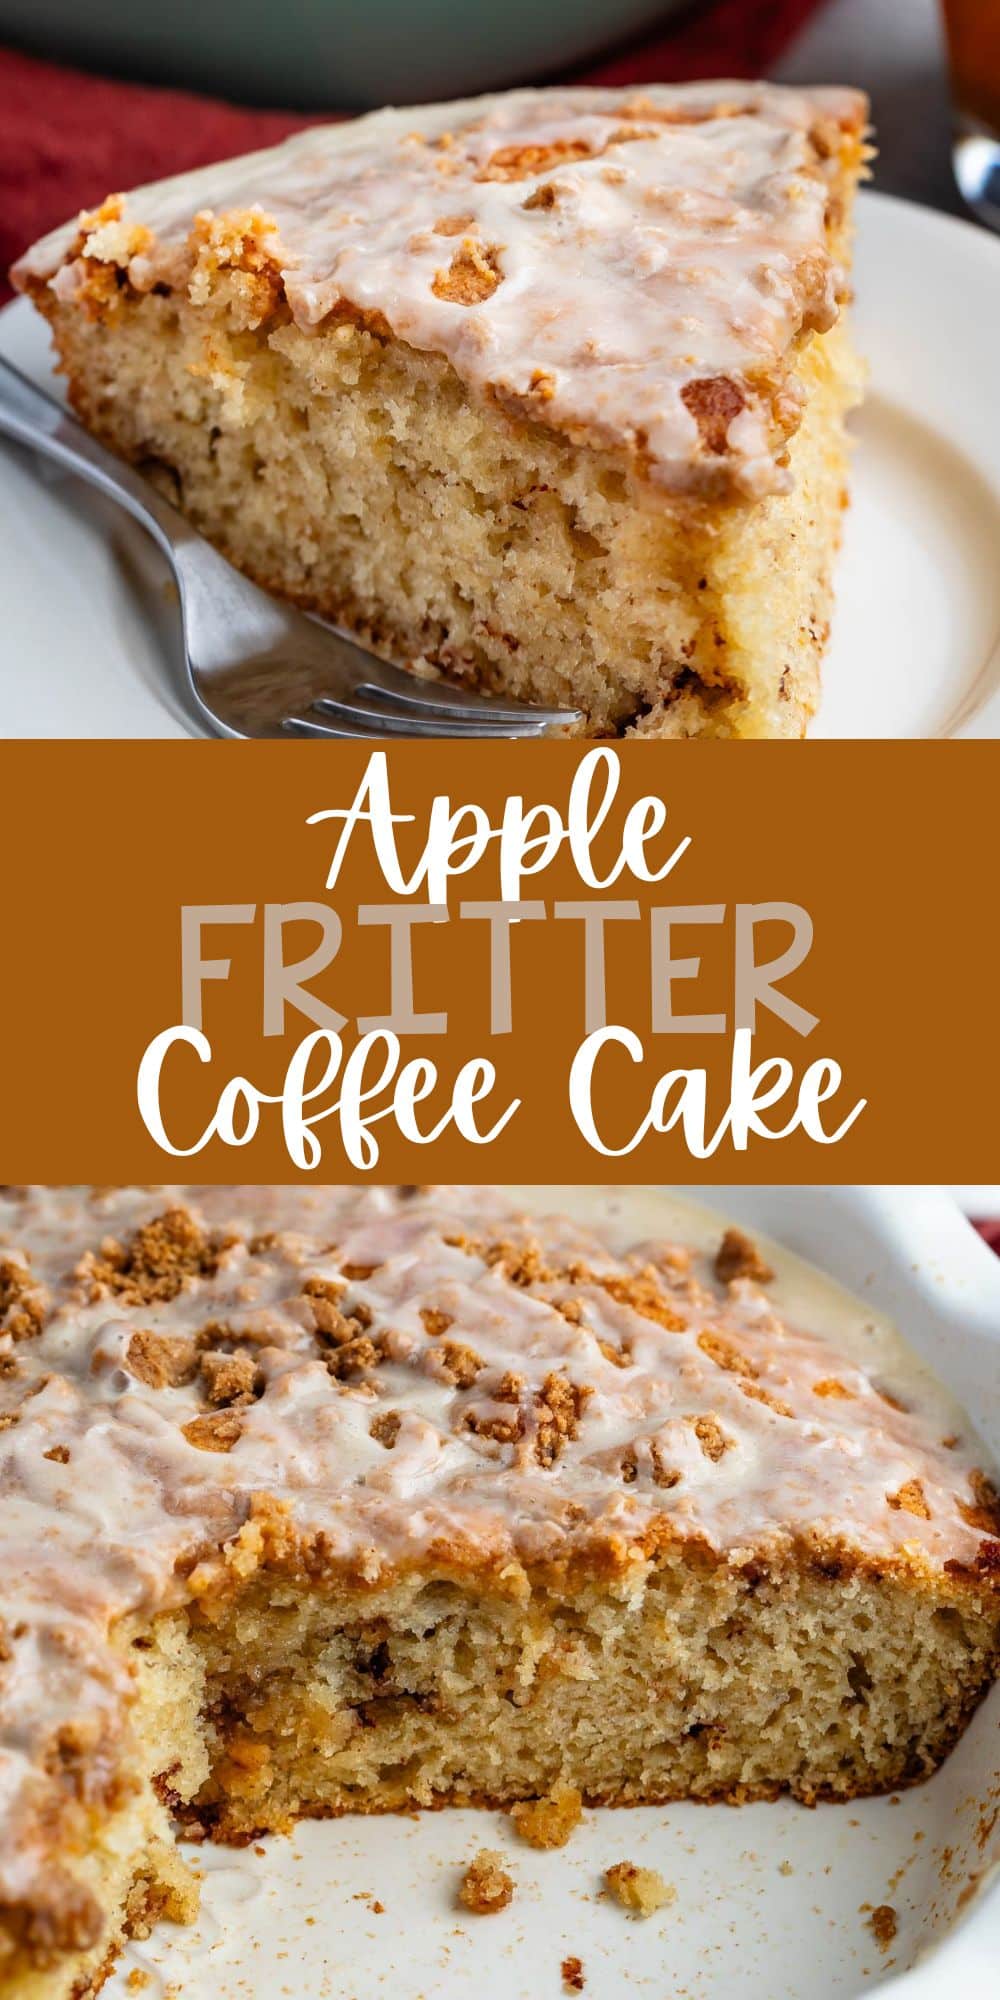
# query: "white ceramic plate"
772,1900
87,630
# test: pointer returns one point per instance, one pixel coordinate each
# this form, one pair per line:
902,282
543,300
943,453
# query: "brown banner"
693,961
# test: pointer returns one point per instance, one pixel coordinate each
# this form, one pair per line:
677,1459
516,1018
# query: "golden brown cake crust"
632,268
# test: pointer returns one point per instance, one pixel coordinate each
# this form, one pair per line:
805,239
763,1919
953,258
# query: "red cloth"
990,1232
67,138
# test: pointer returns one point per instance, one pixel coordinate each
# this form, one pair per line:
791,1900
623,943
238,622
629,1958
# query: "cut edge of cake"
435,1664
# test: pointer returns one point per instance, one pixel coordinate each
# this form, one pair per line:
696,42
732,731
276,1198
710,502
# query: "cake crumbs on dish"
548,1822
486,1886
572,1975
640,1891
883,1924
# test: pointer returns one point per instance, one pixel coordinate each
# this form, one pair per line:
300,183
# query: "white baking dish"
771,1899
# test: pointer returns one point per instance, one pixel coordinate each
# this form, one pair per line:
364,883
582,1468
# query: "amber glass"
973,28
973,34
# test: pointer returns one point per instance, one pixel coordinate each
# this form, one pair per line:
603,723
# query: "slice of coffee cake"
547,389
327,1501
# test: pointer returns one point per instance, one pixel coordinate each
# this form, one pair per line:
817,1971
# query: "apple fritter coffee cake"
546,390
335,1500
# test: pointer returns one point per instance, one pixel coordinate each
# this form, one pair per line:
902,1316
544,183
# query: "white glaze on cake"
684,244
98,1531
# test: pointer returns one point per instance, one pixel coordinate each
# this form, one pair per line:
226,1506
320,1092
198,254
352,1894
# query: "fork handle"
31,417
225,616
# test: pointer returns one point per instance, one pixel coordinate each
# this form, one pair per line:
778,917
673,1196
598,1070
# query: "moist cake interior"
327,1501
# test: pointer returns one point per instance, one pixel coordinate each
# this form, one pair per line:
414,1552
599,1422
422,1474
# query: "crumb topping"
638,269
472,276
549,1822
155,1264
883,1924
911,1499
739,1257
486,1886
22,1301
640,1891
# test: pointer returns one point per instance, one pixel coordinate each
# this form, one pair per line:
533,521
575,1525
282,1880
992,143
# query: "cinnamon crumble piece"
156,1264
472,276
435,1321
59,1452
725,1354
486,1885
572,1974
738,1257
984,1513
766,1396
662,1474
502,1429
830,1386
642,1293
910,1499
161,1360
711,1437
343,1338
353,1357
619,1357
22,1307
640,1891
457,1363
548,1822
324,1295
521,1263
883,1924
894,1402
229,1378
544,196
714,402
384,1428
520,163
559,1404
217,1431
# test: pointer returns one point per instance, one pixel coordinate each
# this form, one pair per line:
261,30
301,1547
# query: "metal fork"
257,666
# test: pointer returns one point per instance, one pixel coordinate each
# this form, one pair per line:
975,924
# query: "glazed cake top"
633,269
413,1375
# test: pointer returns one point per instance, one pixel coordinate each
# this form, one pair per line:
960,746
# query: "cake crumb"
884,1924
738,1257
548,1822
641,1891
572,1974
785,1868
486,1885
137,1980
